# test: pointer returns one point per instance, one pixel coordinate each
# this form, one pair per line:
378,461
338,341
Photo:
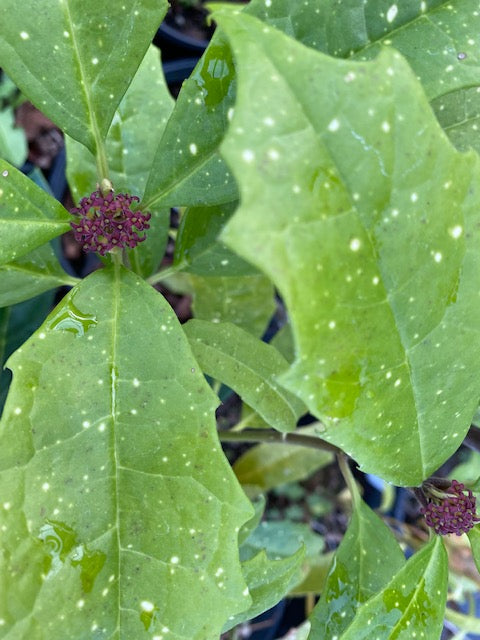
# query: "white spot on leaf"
334,125
392,13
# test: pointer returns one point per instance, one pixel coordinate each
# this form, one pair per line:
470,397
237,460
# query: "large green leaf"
28,216
366,219
268,582
248,366
438,38
266,466
412,605
247,301
30,275
117,501
74,59
364,563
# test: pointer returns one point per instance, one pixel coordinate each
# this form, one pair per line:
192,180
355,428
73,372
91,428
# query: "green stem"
166,273
117,259
244,422
216,386
101,157
269,435
348,477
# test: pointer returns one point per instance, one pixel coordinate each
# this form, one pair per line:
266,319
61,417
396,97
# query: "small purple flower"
107,221
450,510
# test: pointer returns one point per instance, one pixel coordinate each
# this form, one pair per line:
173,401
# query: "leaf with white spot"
364,563
368,224
266,466
197,249
29,217
246,301
30,275
116,498
412,605
132,139
439,40
79,73
248,366
268,582
187,169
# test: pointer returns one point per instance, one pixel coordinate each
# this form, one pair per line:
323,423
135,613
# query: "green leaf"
412,603
74,60
30,275
314,581
133,136
366,219
131,142
28,216
283,342
364,563
266,466
268,582
17,323
248,366
196,246
13,144
122,454
467,623
282,539
259,506
343,30
246,301
474,538
187,169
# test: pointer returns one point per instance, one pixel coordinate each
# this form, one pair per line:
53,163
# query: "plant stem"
101,157
348,477
166,273
244,422
269,435
117,258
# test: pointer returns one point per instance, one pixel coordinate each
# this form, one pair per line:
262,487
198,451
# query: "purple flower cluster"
107,222
453,513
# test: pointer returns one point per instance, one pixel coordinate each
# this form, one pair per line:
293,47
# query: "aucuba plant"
322,159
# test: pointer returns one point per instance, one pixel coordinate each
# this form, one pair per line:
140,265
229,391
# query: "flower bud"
449,510
107,221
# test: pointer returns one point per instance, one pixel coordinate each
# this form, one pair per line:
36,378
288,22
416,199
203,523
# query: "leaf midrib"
84,84
113,412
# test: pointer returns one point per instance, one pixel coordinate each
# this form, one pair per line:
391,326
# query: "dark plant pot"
174,43
176,71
